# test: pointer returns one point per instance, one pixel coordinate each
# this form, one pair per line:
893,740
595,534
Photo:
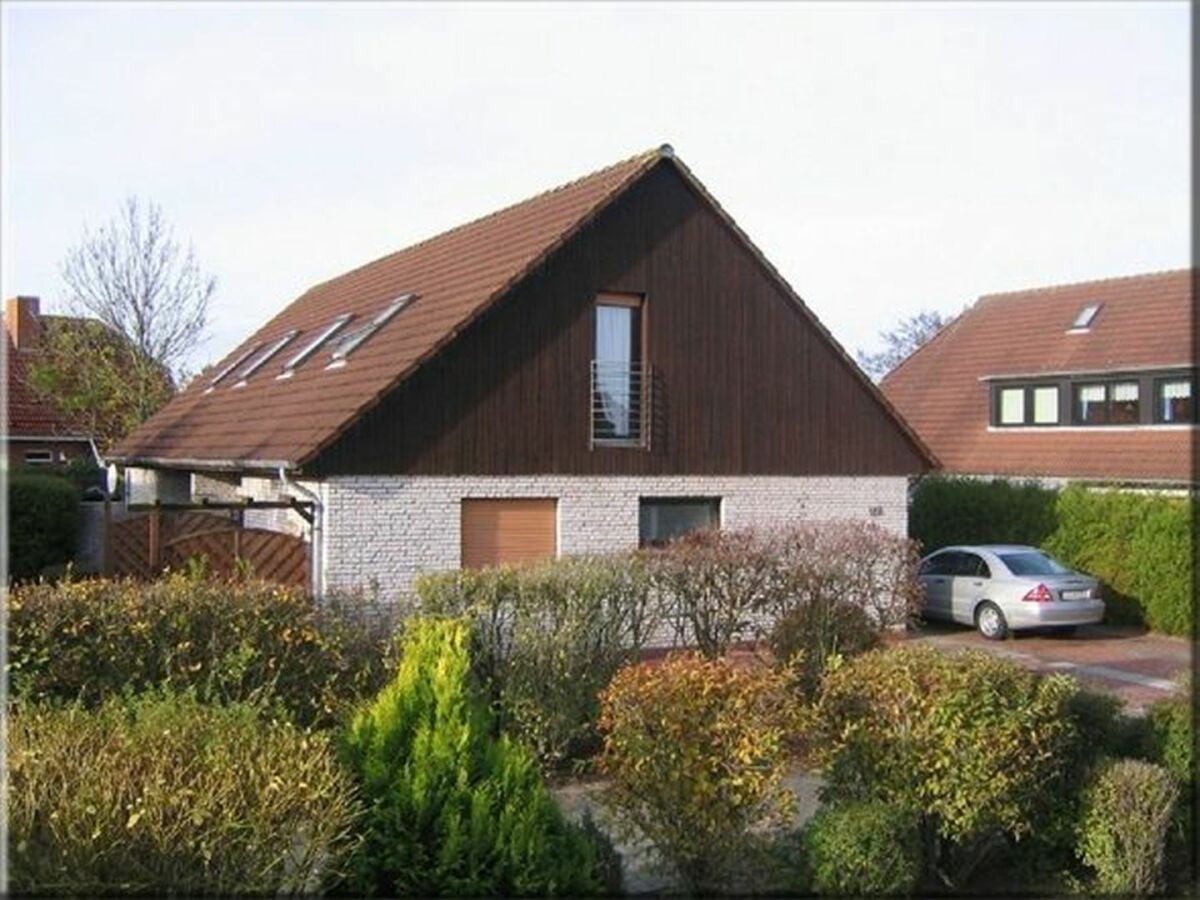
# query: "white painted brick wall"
381,531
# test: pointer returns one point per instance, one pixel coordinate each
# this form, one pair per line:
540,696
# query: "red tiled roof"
30,415
1144,321
455,276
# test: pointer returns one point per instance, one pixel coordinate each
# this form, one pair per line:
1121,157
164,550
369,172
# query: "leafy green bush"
977,746
452,809
695,750
811,635
43,524
1169,741
1127,809
162,794
230,640
863,849
1139,545
955,510
548,639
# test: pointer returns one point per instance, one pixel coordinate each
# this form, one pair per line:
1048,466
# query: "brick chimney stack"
21,321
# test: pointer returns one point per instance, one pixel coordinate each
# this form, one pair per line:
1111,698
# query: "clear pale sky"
887,158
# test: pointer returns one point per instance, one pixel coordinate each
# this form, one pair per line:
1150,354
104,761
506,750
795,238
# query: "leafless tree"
133,275
901,341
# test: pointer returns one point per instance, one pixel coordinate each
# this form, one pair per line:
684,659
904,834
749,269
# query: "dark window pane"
661,520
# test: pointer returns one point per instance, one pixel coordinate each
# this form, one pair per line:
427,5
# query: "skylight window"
259,361
352,341
1083,321
314,345
229,368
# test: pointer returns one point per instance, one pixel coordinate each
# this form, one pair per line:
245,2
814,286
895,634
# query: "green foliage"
230,640
1140,545
43,522
548,639
979,747
953,510
97,378
813,635
452,809
867,848
695,752
1170,739
1128,808
162,794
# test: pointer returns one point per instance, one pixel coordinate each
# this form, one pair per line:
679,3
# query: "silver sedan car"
1000,588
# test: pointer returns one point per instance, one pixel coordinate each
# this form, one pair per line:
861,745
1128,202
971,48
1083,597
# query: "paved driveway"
1137,666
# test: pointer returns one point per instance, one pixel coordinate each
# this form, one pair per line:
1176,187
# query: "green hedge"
1140,545
43,518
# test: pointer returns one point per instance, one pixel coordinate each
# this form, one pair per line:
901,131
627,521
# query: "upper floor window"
1083,321
1028,405
1174,402
1112,403
618,392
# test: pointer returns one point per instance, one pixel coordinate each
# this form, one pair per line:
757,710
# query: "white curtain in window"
1093,393
1126,391
614,352
1012,406
1177,390
1045,405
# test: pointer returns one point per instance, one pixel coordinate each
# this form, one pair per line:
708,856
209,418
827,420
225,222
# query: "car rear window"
1033,564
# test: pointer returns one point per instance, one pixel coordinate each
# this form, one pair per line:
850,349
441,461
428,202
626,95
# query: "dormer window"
352,341
229,368
289,368
1083,321
259,361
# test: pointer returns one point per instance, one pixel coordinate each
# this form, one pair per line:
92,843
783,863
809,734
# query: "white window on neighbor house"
1089,403
1083,321
1175,401
1012,406
1045,405
38,457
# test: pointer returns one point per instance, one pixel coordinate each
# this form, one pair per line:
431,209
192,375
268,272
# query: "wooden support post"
155,539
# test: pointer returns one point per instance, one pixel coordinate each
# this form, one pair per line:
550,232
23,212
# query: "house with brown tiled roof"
609,363
1093,381
37,432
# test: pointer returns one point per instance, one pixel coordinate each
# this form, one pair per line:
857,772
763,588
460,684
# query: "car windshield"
1033,563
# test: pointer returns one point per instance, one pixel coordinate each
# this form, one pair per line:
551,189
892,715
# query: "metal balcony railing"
620,404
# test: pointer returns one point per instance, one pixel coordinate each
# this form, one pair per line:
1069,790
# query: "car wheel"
991,622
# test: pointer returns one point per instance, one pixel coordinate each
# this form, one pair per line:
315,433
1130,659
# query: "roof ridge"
1160,273
646,155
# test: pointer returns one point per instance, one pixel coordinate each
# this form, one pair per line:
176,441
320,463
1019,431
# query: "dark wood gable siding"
744,384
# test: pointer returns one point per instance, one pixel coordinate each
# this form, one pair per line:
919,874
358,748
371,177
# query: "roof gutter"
208,465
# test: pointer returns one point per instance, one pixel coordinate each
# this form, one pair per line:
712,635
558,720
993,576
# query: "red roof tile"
1144,321
29,414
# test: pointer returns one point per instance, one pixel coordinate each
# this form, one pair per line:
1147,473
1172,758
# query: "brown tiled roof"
29,414
1144,321
455,276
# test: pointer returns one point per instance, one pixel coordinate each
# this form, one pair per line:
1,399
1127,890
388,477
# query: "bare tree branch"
136,278
901,341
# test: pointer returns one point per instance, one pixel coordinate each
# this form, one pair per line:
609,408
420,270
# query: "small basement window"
662,519
262,359
38,457
352,341
314,345
229,368
1083,321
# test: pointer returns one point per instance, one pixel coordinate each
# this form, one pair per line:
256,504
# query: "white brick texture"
382,531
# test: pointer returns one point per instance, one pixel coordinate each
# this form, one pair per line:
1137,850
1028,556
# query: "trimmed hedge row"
1139,545
43,522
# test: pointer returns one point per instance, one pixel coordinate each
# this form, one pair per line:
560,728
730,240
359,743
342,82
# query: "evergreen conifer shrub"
452,808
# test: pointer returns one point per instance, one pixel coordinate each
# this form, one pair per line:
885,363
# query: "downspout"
317,556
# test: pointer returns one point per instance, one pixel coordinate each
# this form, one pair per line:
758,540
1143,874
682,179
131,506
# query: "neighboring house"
1093,381
36,433
606,364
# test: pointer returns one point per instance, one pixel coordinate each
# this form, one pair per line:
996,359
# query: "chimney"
21,321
